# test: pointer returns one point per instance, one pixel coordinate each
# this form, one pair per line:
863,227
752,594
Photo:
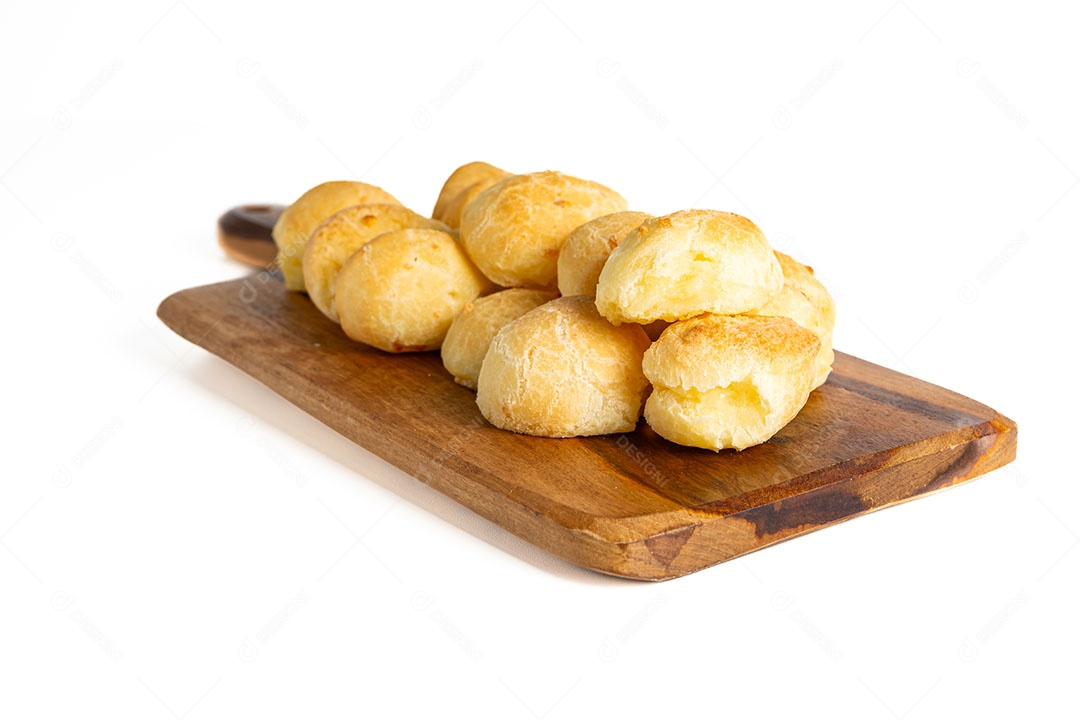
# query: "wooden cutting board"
631,505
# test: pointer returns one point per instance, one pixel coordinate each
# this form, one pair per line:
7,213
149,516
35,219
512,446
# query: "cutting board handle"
244,233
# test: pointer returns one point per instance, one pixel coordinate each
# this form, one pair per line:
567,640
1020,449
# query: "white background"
925,160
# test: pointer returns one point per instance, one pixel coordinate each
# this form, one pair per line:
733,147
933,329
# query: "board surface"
631,505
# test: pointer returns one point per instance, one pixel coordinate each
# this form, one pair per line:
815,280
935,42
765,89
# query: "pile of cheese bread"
569,314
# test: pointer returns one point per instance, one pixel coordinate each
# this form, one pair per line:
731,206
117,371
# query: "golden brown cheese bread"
461,179
687,263
514,229
561,370
400,291
587,248
728,381
806,301
340,236
456,208
472,331
299,220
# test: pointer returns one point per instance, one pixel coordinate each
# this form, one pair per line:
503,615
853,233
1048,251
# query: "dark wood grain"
245,234
631,505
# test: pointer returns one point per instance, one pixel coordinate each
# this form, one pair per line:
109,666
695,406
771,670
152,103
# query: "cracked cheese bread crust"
465,176
299,220
806,301
340,236
514,229
587,248
561,370
690,262
401,290
723,381
472,331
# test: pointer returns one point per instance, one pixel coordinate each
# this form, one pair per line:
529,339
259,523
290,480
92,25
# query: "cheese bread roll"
459,180
472,331
561,370
513,230
340,236
400,291
690,262
806,301
455,209
728,381
299,220
587,248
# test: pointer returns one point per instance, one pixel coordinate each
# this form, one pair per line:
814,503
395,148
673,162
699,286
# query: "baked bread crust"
806,301
296,224
455,209
400,291
463,177
587,248
728,381
472,331
342,234
690,262
514,229
561,370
